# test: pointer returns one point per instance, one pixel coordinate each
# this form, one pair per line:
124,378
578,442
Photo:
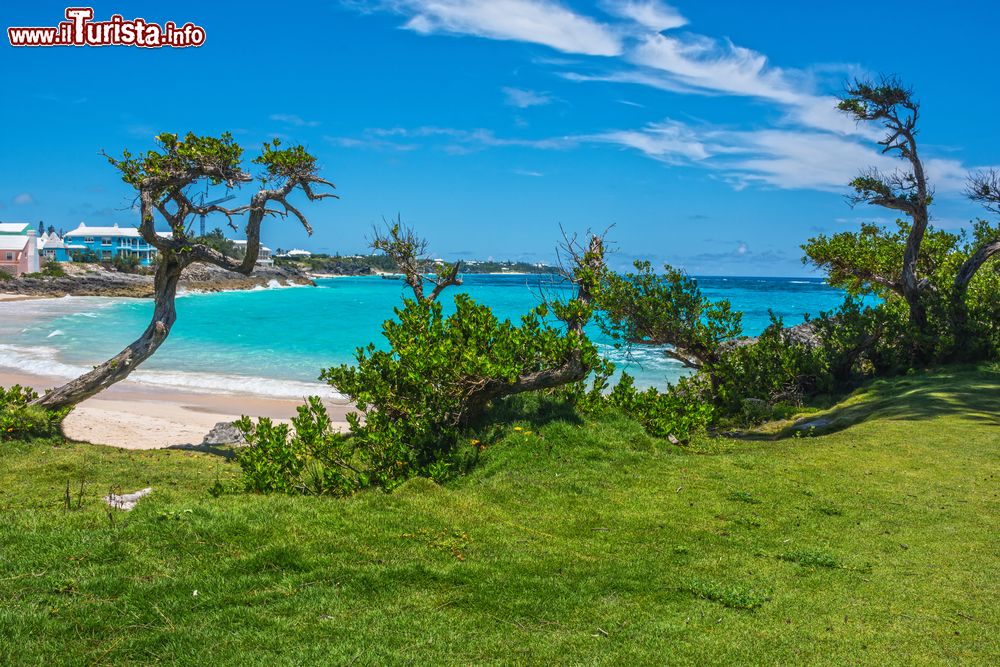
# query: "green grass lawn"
591,544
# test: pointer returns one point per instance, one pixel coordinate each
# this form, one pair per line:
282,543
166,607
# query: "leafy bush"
216,240
437,376
53,270
48,270
681,411
771,369
125,263
308,458
86,256
20,420
963,323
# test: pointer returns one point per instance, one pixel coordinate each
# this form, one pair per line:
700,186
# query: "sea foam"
43,361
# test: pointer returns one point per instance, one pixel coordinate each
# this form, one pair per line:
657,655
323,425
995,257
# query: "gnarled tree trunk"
913,286
168,274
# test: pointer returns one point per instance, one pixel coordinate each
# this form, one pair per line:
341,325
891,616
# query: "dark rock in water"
224,433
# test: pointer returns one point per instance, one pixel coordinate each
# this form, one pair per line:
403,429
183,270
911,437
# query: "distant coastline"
323,265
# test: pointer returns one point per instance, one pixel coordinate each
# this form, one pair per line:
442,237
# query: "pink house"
19,253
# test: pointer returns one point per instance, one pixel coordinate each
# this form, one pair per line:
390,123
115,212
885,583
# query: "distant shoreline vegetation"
364,265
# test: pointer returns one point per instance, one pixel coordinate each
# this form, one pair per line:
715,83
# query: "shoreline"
133,416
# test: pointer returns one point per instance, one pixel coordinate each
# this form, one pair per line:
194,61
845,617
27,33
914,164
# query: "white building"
14,228
297,253
54,249
263,256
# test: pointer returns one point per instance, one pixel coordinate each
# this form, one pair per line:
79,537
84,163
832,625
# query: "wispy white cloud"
452,140
522,99
527,172
23,199
809,145
292,119
781,158
669,141
537,21
650,14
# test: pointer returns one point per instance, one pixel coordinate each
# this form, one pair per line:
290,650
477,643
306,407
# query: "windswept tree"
891,105
505,360
162,179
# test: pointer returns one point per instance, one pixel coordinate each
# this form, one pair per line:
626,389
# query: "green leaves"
665,309
20,420
308,458
179,162
293,162
420,393
680,412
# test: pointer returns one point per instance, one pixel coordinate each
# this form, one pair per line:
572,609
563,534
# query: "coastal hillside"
572,542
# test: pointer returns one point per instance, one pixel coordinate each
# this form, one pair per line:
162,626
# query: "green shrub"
308,458
19,420
681,411
647,308
4,276
125,264
53,270
420,395
772,370
48,270
85,256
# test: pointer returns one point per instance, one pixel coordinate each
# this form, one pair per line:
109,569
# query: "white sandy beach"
18,297
134,416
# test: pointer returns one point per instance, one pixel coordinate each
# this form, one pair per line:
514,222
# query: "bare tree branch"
409,253
983,187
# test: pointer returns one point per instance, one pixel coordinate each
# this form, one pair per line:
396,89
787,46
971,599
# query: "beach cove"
260,351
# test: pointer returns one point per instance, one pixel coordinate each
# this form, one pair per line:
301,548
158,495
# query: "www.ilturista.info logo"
79,29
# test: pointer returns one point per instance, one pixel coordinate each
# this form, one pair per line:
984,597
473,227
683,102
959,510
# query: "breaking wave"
44,361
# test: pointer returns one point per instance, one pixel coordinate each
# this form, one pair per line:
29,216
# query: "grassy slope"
586,544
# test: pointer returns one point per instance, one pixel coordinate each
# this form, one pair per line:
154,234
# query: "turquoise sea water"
274,341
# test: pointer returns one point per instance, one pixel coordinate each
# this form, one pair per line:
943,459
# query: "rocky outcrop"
806,334
96,280
224,433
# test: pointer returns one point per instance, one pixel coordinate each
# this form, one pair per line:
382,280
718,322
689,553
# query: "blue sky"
705,132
